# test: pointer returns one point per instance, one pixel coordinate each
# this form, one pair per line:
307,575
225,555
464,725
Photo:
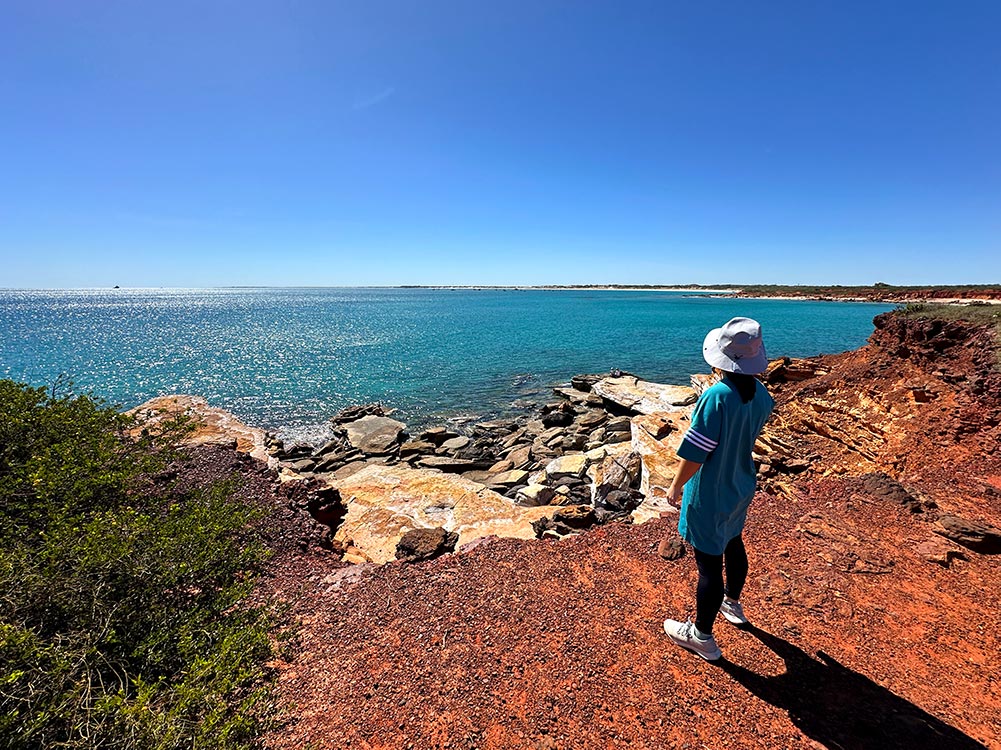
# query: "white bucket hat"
736,347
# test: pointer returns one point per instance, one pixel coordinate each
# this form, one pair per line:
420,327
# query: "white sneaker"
683,633
733,612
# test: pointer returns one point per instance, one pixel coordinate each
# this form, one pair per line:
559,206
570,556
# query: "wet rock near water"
354,413
375,435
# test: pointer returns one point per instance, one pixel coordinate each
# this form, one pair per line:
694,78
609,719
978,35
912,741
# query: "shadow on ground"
840,708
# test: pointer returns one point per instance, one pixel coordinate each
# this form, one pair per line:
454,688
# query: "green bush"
123,614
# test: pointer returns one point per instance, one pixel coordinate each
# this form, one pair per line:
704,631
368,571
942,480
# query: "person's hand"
674,494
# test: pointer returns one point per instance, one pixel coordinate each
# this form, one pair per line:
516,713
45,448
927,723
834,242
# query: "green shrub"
123,620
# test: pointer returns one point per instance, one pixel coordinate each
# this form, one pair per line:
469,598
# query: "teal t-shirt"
721,438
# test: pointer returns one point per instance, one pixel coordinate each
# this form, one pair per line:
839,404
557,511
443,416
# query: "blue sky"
421,142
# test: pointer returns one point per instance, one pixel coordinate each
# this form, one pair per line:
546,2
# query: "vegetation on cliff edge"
123,620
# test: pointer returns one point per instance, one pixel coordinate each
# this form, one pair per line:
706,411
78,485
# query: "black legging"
710,592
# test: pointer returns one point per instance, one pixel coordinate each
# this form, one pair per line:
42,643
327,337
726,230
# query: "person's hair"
746,385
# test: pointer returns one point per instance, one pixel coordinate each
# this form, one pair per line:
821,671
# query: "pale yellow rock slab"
569,465
659,457
384,502
212,424
644,396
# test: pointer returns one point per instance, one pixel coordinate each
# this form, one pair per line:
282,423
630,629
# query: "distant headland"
878,292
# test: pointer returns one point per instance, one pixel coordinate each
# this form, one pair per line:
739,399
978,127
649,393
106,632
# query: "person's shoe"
683,633
733,612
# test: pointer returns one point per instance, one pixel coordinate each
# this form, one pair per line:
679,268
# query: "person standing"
716,479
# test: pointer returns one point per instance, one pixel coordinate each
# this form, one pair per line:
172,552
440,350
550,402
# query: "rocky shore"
600,452
875,566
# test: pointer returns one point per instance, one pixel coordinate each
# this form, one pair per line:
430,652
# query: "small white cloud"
371,101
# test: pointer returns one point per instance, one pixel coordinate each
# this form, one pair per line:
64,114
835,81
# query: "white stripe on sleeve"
708,441
699,442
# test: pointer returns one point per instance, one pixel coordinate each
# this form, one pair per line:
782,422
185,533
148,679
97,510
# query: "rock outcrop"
641,396
385,502
210,425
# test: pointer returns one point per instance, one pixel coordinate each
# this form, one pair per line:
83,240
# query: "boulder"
331,461
438,435
557,419
352,413
979,537
301,465
514,438
425,544
535,495
510,478
347,470
591,419
617,437
580,398
480,477
454,444
882,487
584,382
331,447
384,502
618,424
375,435
575,516
618,473
643,397
496,427
416,447
451,465
520,456
671,547
296,451
573,466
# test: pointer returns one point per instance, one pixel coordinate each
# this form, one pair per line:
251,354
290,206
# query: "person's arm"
698,443
686,470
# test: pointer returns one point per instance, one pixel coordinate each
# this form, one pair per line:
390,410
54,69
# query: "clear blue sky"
339,143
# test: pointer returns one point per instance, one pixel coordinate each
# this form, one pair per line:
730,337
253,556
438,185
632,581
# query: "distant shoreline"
957,295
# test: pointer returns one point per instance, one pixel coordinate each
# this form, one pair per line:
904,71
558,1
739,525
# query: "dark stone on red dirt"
425,544
671,547
882,487
979,537
326,506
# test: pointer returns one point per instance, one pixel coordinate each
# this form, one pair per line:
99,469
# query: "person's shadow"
840,708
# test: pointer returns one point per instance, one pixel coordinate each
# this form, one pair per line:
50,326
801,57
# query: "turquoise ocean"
286,359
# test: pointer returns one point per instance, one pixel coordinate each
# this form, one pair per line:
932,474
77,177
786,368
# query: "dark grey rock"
352,413
976,536
425,544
